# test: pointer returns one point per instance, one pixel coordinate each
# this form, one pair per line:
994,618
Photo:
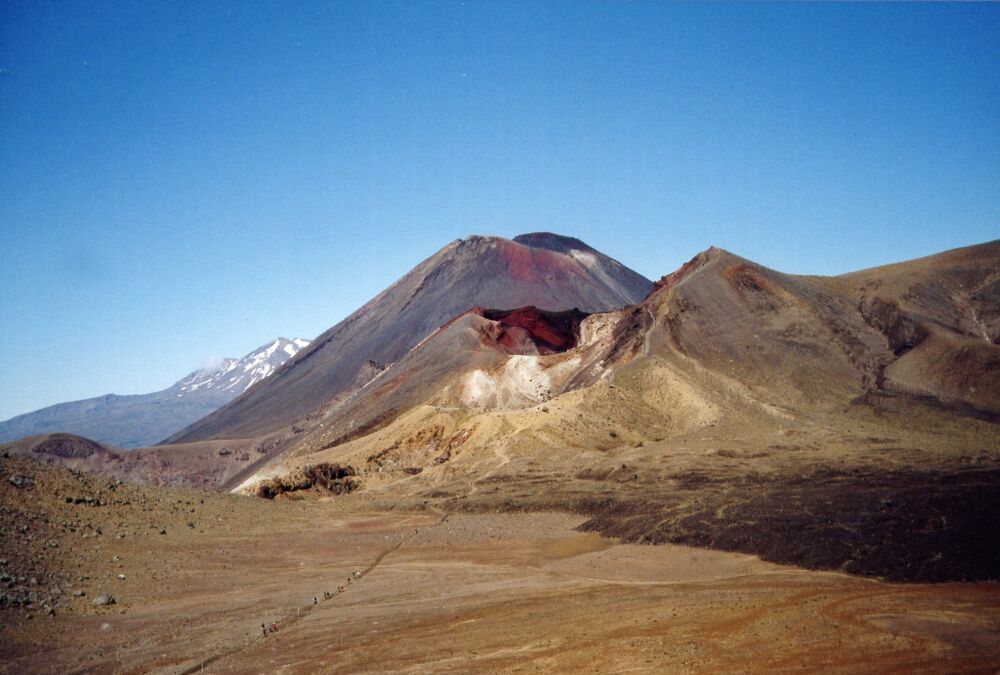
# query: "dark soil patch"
902,526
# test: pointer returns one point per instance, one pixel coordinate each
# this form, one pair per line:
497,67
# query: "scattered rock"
20,481
89,501
104,599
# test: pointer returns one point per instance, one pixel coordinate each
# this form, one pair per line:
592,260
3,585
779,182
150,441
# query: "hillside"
861,409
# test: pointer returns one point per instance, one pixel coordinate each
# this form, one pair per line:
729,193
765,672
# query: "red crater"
550,332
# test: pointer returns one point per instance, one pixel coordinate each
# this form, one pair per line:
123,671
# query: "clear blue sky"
186,180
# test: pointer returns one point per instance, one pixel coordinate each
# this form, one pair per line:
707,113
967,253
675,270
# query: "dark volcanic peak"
551,241
542,270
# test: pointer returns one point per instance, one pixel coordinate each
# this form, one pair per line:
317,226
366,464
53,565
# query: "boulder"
20,481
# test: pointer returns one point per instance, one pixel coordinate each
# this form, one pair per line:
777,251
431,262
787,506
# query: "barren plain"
353,590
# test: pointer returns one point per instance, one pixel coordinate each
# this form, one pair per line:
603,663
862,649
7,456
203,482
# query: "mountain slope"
542,269
842,423
141,420
788,344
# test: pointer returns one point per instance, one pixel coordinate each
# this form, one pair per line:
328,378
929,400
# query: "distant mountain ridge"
134,421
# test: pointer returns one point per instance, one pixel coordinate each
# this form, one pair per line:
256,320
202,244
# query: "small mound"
67,446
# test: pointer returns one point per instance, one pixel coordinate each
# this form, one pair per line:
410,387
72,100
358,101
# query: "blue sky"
186,180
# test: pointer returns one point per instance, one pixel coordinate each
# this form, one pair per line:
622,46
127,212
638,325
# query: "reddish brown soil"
534,265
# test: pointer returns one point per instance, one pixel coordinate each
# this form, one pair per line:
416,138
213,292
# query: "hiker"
263,629
315,601
274,628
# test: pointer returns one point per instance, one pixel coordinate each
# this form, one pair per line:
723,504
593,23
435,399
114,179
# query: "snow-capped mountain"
238,375
144,419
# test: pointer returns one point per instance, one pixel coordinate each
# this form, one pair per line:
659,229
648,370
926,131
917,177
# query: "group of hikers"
273,628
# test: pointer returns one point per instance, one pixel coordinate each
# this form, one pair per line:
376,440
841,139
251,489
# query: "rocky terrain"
320,583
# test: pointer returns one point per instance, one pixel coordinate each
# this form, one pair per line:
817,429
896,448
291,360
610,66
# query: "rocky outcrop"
330,477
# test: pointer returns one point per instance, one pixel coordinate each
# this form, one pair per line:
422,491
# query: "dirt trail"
305,610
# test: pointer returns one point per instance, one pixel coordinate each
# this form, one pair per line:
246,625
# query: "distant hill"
141,420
